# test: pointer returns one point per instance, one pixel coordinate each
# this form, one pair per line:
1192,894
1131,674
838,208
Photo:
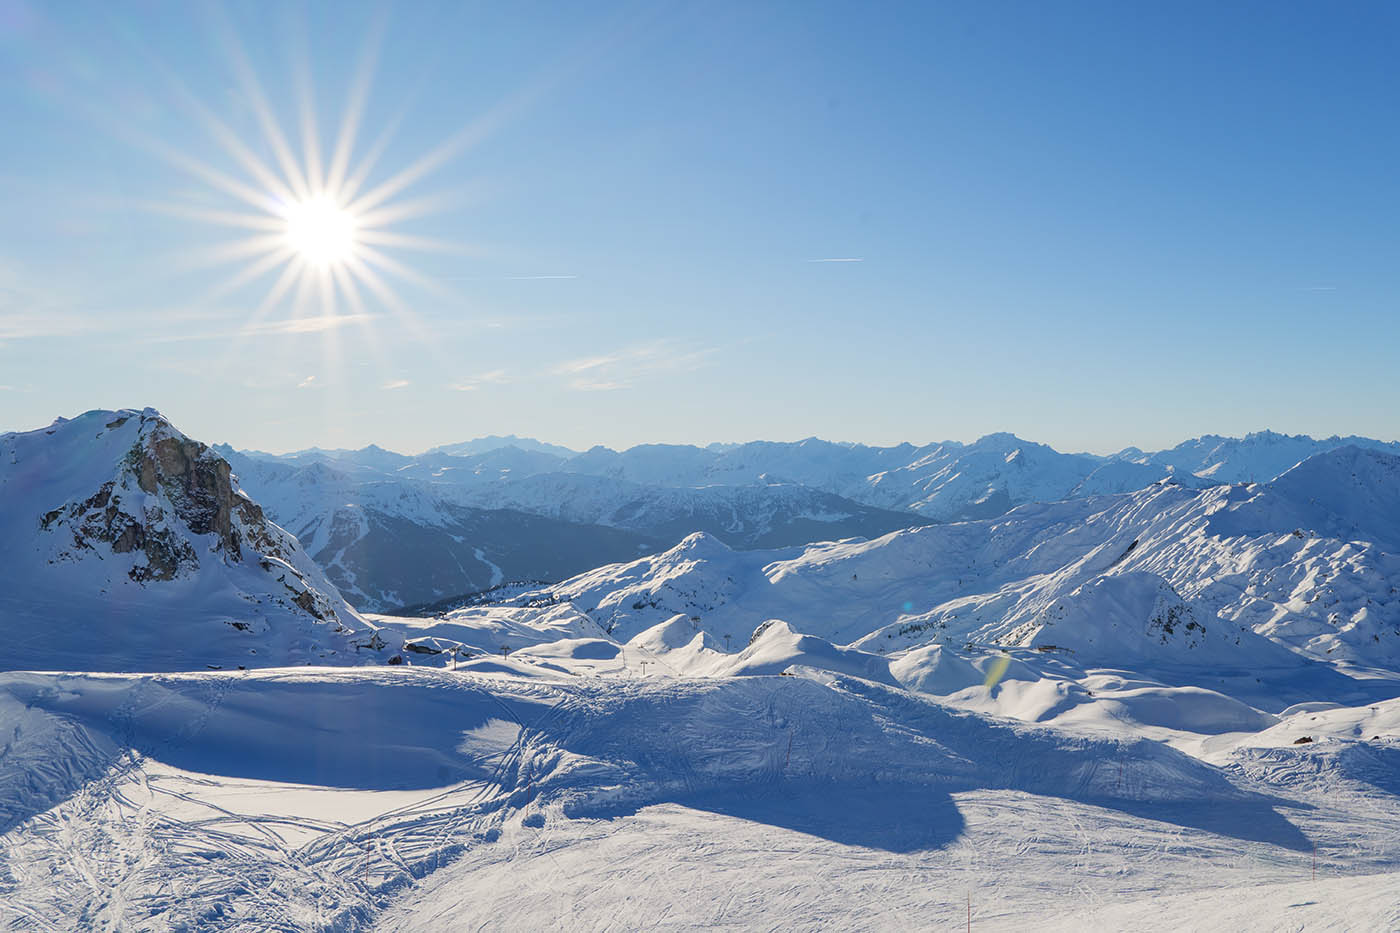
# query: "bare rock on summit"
166,484
118,528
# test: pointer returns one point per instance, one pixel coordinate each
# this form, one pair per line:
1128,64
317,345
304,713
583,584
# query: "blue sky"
1093,224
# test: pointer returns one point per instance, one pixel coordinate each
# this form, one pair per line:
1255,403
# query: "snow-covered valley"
1174,705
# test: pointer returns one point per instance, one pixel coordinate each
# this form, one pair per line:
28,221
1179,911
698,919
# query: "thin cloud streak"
494,377
306,325
841,259
623,368
506,278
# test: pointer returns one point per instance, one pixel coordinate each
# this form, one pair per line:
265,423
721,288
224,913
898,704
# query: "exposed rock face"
104,517
127,546
172,500
199,484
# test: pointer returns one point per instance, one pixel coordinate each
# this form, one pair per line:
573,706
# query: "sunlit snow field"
422,800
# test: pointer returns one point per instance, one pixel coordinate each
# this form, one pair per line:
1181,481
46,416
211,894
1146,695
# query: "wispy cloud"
622,368
19,325
841,259
589,362
28,310
494,377
395,384
304,325
306,383
56,310
508,278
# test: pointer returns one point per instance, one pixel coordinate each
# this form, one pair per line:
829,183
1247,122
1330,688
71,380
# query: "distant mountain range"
392,529
1227,576
396,532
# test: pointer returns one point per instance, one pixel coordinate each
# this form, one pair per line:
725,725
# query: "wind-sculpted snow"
147,833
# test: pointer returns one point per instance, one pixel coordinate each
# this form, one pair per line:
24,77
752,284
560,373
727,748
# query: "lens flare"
997,671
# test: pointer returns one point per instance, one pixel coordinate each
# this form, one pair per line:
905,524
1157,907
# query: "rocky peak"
170,503
198,483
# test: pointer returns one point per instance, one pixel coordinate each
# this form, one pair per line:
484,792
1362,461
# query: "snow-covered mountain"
392,529
1256,457
496,442
946,481
126,545
1308,561
443,526
388,543
951,481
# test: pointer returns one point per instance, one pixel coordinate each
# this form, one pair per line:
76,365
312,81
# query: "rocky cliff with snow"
130,545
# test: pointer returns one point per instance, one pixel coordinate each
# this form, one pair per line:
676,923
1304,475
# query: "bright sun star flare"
318,232
321,231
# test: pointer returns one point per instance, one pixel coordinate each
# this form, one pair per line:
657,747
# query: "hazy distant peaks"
498,441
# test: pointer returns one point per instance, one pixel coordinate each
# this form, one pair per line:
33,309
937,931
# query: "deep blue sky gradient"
1093,224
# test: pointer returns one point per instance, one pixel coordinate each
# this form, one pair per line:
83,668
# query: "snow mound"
1114,618
775,647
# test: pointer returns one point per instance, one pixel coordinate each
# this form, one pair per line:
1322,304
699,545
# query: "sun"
315,223
321,231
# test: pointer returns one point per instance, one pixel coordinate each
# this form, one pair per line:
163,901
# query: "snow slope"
223,800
